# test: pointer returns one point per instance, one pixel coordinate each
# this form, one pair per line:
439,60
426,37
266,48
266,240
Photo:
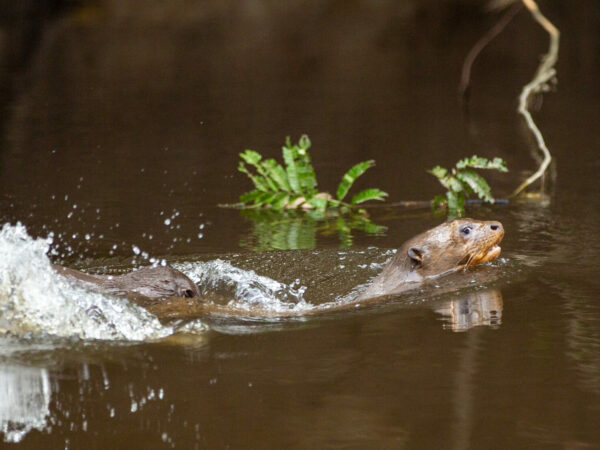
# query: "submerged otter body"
447,248
150,282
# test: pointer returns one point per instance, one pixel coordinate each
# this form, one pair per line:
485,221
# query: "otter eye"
465,230
188,293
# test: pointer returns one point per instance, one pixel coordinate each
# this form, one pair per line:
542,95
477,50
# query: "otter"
445,249
148,282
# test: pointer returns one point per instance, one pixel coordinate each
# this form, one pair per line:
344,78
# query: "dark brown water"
123,128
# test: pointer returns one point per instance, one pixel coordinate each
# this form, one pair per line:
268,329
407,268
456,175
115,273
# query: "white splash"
248,290
35,300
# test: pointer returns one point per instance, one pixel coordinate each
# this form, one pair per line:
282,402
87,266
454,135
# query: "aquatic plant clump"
295,185
286,207
462,180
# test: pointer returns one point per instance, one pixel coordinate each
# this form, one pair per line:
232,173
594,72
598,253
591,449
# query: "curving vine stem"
543,75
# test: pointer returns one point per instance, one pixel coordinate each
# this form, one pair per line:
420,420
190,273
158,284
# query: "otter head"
156,282
454,245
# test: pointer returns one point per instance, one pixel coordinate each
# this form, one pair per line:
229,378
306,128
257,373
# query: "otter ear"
416,254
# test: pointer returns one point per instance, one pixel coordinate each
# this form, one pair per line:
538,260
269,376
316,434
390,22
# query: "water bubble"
136,249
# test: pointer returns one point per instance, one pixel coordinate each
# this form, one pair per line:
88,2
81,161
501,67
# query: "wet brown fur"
444,249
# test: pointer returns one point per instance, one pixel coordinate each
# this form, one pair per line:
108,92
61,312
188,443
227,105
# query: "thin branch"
465,77
427,203
539,82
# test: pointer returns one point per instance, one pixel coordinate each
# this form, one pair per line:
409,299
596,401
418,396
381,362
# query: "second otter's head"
159,282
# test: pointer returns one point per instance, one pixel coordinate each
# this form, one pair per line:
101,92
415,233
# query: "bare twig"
426,203
543,75
465,77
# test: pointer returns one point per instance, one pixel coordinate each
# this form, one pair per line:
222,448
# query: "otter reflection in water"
471,310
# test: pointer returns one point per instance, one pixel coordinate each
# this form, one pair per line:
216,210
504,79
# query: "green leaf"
454,184
438,201
277,174
456,204
308,180
251,157
368,194
477,183
268,198
262,181
259,182
350,177
306,174
289,157
438,172
319,203
451,183
304,142
249,197
280,200
499,164
476,162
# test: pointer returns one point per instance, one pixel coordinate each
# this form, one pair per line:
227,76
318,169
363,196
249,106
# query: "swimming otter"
149,282
447,248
